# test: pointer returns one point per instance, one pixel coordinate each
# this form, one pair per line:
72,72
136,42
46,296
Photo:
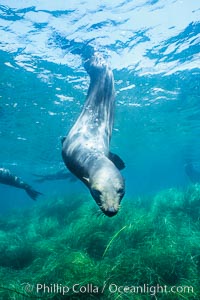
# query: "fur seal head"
106,186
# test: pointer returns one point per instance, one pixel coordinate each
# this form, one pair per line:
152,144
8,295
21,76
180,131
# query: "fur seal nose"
110,212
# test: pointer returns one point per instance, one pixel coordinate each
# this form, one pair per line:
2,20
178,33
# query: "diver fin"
117,161
63,139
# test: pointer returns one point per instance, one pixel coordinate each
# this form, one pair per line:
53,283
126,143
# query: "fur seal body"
7,178
86,148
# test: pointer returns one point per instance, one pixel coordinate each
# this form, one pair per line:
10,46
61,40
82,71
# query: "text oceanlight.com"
56,288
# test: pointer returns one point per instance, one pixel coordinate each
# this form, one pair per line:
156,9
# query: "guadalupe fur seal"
85,150
7,178
192,172
60,175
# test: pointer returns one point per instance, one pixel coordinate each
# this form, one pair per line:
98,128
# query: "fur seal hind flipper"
32,193
117,161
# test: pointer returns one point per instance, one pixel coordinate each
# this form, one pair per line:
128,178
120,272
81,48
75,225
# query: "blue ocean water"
153,48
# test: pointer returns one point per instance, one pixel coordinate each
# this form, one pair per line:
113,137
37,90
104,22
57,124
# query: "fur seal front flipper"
9,179
117,161
85,149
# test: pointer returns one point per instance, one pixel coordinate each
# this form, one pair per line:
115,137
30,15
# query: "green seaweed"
152,241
